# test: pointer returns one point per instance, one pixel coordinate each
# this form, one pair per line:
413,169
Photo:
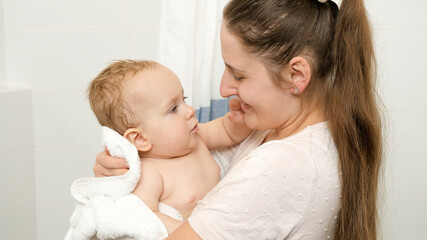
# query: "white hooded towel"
107,209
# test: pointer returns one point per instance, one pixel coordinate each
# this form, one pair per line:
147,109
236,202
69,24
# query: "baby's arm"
227,130
149,189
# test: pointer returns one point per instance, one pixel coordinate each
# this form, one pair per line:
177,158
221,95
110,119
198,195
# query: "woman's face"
266,105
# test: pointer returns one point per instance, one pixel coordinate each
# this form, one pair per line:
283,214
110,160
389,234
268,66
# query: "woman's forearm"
171,224
185,231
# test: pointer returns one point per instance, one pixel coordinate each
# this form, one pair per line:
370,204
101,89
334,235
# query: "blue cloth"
218,108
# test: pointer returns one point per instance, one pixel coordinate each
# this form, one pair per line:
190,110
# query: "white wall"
2,48
401,36
17,188
57,47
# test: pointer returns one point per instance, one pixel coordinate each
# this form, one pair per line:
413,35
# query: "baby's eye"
173,109
183,99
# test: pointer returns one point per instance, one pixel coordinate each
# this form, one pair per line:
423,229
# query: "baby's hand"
236,113
107,166
234,123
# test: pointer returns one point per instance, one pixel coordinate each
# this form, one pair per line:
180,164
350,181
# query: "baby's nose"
191,112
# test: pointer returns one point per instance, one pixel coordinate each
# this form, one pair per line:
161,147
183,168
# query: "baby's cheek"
175,143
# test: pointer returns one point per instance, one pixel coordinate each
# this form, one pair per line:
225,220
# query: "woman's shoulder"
308,151
310,140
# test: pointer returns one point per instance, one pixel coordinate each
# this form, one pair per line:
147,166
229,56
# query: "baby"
144,102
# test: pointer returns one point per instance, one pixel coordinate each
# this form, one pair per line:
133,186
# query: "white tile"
16,179
402,69
2,55
56,170
52,222
64,120
19,224
3,83
145,44
403,216
16,130
405,163
395,14
66,60
145,14
51,14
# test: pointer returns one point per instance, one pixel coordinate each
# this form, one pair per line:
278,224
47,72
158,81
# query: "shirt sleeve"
264,196
223,158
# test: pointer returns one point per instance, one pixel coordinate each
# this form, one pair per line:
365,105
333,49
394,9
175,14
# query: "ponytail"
355,122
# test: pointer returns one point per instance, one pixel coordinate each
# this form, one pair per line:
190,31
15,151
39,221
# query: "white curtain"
189,45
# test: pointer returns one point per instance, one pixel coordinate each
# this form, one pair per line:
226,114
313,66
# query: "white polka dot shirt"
283,189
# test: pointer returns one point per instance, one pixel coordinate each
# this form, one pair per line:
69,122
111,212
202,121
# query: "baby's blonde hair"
105,93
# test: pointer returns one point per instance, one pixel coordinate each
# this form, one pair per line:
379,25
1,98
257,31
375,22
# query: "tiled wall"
17,188
401,36
2,48
59,46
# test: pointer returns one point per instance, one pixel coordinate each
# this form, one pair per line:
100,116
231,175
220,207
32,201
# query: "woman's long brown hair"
338,43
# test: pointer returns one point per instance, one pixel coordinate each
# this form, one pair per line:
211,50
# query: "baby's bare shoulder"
151,180
150,165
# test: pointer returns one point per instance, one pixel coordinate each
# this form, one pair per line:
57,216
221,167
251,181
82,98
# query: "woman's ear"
300,74
136,137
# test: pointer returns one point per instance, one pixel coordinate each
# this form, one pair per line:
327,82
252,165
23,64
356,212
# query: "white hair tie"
322,1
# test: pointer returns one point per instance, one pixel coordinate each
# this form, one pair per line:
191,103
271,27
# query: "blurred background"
50,50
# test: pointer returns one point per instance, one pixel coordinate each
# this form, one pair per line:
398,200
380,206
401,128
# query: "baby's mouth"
195,128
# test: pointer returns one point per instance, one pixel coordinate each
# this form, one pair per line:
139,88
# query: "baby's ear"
136,137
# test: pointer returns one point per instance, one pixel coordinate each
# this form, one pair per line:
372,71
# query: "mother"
304,71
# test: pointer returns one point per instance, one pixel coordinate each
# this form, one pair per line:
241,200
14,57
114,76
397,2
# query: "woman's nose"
227,87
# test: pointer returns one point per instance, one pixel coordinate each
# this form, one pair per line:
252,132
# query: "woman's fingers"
99,171
106,165
105,172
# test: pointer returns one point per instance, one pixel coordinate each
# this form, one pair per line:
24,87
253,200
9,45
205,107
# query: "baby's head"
144,102
107,98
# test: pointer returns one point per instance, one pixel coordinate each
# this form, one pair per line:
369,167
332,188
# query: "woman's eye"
237,78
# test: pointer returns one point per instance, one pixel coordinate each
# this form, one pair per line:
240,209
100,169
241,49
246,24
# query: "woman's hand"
107,166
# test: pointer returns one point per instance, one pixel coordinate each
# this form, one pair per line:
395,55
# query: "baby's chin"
191,148
177,150
186,150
